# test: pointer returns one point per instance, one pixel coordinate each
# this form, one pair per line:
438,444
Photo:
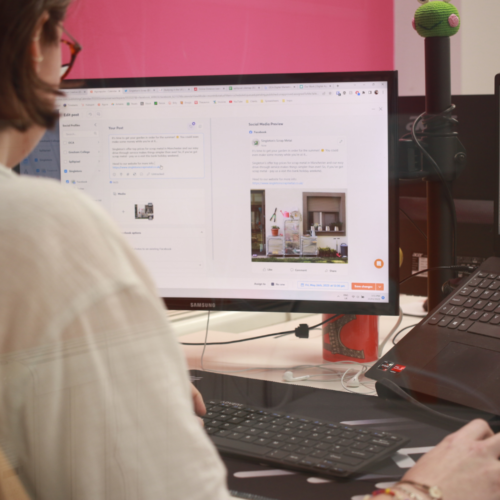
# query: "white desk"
269,358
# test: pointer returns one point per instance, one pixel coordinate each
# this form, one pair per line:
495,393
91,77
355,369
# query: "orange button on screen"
363,286
379,263
379,286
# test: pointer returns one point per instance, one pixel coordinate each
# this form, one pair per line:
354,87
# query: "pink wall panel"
123,38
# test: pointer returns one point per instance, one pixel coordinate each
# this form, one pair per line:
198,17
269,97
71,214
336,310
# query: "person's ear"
36,40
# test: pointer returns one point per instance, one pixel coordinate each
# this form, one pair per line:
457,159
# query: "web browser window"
244,191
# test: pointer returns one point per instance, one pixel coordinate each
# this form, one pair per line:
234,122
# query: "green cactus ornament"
436,18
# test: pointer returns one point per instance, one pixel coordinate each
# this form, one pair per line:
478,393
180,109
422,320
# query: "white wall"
480,45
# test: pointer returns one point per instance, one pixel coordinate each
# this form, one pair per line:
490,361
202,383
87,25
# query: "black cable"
260,336
413,222
401,331
438,171
454,268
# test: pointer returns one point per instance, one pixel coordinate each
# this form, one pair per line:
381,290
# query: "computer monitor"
257,192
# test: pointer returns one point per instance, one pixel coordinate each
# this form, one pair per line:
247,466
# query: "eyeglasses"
69,51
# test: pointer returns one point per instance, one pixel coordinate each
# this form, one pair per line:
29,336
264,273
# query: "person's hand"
199,405
464,465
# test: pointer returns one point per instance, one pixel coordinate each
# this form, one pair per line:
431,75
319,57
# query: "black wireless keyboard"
291,441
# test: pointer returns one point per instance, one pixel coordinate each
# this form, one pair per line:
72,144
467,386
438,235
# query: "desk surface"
269,358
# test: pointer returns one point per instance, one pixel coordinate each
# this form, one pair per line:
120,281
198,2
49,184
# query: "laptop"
453,354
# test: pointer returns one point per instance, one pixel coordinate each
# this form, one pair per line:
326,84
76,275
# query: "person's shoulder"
29,200
59,226
44,213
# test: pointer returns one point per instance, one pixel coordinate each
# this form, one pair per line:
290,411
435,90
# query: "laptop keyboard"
475,309
291,441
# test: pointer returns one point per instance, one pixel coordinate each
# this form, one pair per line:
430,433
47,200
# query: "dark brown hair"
23,96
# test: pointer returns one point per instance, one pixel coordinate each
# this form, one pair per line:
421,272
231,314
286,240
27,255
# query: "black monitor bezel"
298,306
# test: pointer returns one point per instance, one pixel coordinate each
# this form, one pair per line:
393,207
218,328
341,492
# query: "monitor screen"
259,192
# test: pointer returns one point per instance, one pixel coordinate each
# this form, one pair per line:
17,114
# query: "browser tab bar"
104,92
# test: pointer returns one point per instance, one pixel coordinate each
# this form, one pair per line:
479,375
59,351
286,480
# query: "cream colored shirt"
94,400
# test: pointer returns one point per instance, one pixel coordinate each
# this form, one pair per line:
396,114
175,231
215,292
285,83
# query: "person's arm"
464,466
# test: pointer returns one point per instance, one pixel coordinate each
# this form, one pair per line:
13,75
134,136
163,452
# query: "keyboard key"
349,460
337,448
375,449
359,446
455,324
495,320
490,306
363,437
492,276
465,325
473,282
475,315
436,318
485,329
278,454
322,446
248,438
359,454
319,454
305,450
291,447
480,304
470,302
485,283
262,441
465,313
476,293
303,434
486,295
345,442
482,274
330,439
455,311
457,301
334,432
486,317
309,442
446,308
276,444
252,432
494,286
380,442
444,322
293,458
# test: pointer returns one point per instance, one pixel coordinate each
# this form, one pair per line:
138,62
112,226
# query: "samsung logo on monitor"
202,304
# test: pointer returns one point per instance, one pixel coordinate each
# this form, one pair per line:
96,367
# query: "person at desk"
94,400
